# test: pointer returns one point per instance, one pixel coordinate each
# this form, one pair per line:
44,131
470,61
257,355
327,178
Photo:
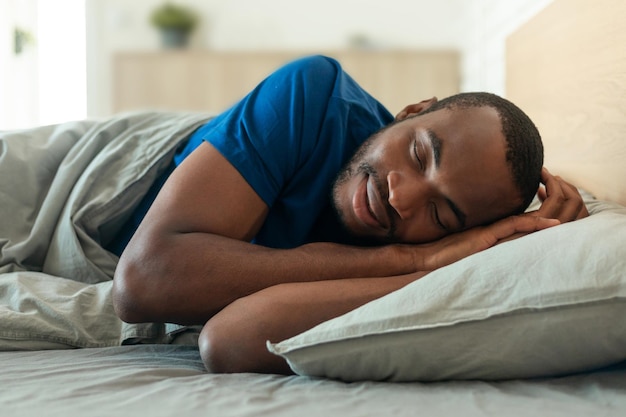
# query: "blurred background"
65,60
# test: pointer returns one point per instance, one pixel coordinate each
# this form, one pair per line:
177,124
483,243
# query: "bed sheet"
166,380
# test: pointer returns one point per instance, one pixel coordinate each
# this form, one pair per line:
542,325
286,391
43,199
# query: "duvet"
65,191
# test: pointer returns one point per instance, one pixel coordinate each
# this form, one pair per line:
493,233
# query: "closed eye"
436,217
419,161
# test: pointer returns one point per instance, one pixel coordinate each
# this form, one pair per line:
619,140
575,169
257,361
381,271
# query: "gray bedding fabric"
65,190
167,380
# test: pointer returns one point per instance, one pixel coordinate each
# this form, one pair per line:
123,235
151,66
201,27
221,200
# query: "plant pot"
174,38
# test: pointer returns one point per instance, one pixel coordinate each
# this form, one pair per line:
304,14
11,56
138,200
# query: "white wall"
483,47
476,28
62,62
18,73
45,83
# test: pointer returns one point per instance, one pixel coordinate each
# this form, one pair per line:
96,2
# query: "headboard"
566,68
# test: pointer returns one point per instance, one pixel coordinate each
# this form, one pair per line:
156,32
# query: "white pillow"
550,303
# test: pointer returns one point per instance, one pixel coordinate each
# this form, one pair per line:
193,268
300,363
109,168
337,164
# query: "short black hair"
524,149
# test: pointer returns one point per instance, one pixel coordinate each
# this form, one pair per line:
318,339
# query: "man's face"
427,176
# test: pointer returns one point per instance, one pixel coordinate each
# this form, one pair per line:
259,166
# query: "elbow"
128,294
223,350
234,340
214,351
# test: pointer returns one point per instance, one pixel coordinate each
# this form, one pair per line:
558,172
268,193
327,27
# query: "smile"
367,207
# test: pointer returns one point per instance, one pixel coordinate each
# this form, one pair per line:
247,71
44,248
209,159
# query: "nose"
407,192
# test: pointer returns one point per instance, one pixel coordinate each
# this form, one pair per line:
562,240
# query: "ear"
414,109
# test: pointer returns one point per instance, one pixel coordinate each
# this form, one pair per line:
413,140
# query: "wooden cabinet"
212,81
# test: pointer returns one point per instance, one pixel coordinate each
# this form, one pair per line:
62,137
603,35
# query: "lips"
367,205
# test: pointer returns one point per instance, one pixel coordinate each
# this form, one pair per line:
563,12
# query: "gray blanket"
66,190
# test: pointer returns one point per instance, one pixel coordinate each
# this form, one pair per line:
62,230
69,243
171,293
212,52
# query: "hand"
460,245
560,199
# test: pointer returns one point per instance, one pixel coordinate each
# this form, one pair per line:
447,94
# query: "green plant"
173,16
22,38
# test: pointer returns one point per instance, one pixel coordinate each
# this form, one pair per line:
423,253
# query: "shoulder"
316,71
316,64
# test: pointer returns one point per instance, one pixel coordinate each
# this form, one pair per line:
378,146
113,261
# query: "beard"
357,165
350,237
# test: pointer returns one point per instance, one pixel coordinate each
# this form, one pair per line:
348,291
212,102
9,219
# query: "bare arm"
234,339
190,257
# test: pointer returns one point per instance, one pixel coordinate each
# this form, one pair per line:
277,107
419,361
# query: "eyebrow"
436,145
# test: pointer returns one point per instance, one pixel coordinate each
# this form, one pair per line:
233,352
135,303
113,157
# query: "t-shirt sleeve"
269,134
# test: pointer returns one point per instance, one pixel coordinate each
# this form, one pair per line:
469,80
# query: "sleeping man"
308,199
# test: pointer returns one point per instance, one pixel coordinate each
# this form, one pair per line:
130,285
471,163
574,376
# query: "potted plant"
175,22
22,38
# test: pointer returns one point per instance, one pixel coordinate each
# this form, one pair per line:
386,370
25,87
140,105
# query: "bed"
531,327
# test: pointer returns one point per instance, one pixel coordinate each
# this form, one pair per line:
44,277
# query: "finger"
541,193
584,212
551,205
520,224
544,175
574,207
562,201
512,237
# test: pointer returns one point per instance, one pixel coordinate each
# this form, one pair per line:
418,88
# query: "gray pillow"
550,303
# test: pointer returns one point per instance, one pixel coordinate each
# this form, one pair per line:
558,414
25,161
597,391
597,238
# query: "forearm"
188,277
234,339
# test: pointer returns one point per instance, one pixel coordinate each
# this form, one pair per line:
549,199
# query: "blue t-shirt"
289,137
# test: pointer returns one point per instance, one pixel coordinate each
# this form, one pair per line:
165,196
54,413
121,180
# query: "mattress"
169,380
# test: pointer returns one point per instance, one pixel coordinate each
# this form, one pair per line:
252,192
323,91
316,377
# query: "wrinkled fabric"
65,191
